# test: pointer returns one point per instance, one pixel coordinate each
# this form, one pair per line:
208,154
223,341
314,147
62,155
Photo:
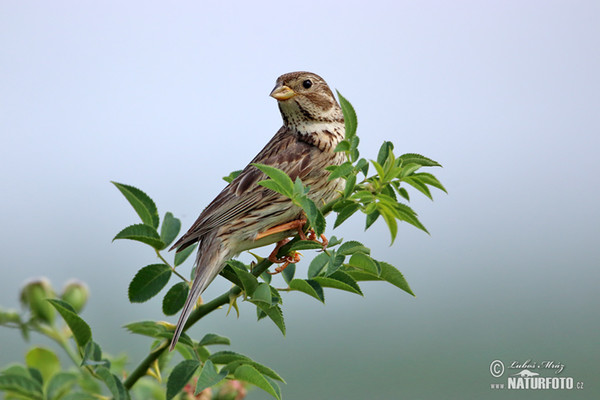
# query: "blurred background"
171,97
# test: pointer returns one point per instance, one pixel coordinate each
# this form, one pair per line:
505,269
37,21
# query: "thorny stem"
207,308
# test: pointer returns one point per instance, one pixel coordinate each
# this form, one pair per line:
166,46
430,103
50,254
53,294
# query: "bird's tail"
208,264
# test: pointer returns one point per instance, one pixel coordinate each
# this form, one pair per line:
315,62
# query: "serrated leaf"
317,265
43,359
350,184
405,213
365,263
157,330
232,366
275,314
209,377
346,213
229,178
180,376
390,274
349,116
262,293
277,175
274,186
92,355
384,151
354,148
359,276
430,180
211,338
313,214
339,280
248,373
36,375
341,171
141,233
148,282
389,217
60,384
79,396
305,245
175,298
80,329
334,241
335,262
22,385
228,273
113,383
363,166
249,281
412,158
227,356
169,229
266,277
182,255
142,203
288,273
344,145
310,287
379,169
417,184
351,247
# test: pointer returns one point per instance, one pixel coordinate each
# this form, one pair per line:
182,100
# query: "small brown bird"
244,214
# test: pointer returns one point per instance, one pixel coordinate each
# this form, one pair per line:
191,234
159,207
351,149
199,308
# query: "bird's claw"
311,235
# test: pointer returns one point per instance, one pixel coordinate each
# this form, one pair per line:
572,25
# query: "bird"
246,215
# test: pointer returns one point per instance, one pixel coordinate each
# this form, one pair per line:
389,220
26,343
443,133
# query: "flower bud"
34,295
232,390
76,293
7,316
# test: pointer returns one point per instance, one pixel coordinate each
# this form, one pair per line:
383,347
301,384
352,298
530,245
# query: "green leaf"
411,158
142,203
384,151
351,247
280,177
141,233
81,330
78,396
248,373
22,385
417,184
354,148
349,116
310,287
379,169
229,178
182,255
359,275
335,262
288,273
92,355
305,245
344,145
346,213
275,314
157,330
36,374
405,213
148,282
228,273
45,360
341,171
175,298
169,229
262,293
180,376
233,365
390,274
430,180
249,281
209,377
60,384
313,214
365,263
389,216
211,338
363,166
227,356
339,280
317,265
350,184
113,383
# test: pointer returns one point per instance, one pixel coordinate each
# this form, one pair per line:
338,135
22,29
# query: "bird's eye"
307,84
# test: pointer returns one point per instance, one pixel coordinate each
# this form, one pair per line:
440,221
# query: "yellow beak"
282,93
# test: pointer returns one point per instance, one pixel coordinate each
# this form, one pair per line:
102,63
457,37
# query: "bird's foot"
311,235
285,260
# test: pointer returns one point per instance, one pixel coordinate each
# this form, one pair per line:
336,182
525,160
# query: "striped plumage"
303,147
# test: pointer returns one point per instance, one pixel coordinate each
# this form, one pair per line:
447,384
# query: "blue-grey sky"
171,97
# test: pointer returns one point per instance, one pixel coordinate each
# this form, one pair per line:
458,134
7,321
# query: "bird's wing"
284,151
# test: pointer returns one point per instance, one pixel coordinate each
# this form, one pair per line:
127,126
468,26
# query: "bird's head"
305,99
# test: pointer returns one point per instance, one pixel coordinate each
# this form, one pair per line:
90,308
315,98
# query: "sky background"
171,97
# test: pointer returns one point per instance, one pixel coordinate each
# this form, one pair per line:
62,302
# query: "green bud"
76,293
34,295
7,316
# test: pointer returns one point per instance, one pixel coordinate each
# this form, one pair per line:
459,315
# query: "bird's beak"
282,93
